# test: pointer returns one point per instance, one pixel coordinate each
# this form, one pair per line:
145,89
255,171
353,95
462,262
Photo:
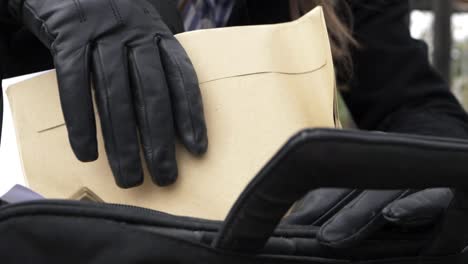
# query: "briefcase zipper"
129,214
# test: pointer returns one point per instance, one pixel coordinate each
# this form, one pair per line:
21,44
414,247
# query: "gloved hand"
347,217
144,82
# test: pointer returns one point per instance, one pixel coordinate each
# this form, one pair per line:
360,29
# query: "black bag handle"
341,159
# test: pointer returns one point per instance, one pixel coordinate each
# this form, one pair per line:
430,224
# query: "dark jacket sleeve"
25,52
3,53
2,59
20,51
394,87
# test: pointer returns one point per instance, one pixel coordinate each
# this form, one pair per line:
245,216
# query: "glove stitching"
236,220
114,145
86,71
338,204
357,200
189,106
115,11
146,125
339,242
51,38
85,65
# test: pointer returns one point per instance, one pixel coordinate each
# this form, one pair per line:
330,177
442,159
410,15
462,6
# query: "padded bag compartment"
79,232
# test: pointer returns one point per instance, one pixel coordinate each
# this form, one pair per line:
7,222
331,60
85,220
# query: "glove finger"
185,93
319,205
117,114
154,113
357,220
420,208
73,76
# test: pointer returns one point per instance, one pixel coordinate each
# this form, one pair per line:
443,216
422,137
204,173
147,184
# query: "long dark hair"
339,23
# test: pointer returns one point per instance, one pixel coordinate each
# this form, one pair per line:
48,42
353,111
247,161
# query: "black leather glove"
143,79
347,217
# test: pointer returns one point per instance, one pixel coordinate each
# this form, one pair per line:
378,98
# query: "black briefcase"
80,232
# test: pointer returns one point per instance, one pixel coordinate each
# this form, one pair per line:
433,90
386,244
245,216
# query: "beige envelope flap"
260,85
290,48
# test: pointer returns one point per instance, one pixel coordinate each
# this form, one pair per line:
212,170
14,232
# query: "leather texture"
346,216
80,232
145,85
401,161
256,96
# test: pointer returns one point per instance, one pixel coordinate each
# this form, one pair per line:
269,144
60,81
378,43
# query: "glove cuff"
15,8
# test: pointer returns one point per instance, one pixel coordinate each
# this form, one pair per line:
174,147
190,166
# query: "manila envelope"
260,85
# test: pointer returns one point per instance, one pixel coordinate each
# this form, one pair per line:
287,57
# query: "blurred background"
443,25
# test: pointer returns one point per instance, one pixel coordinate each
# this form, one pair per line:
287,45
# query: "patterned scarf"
200,14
